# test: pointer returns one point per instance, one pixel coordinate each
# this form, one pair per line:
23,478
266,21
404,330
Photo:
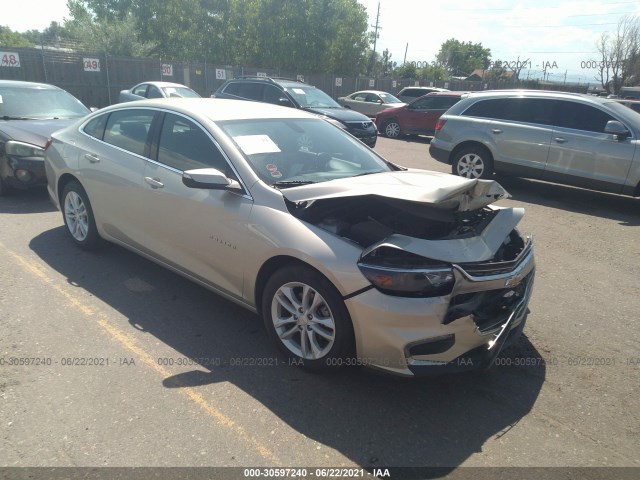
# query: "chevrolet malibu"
348,258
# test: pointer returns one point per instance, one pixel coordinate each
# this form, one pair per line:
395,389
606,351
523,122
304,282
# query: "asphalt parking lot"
109,360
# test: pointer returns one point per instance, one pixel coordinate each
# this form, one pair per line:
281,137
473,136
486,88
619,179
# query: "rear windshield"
39,103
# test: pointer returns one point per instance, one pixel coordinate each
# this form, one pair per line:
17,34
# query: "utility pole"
405,54
376,27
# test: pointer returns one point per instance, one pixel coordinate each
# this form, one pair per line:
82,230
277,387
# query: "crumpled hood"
437,189
35,132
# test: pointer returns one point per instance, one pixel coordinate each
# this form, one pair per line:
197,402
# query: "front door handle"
91,158
154,182
496,131
560,139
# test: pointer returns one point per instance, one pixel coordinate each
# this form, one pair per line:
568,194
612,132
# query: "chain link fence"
97,79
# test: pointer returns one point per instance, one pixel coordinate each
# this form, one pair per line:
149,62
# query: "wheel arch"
470,144
271,266
63,181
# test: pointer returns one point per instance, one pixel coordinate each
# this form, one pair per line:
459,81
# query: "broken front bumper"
466,329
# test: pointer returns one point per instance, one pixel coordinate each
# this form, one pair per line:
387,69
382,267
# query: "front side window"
286,152
185,146
128,129
581,117
141,90
272,95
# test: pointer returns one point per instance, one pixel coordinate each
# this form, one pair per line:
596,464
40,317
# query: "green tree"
9,38
462,58
434,72
407,70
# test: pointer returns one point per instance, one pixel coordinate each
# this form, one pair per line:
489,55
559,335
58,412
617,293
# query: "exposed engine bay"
369,219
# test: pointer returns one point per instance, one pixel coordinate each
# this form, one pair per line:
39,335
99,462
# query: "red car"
418,117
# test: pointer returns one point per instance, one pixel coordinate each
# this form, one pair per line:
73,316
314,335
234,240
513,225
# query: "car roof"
435,89
446,93
217,109
376,92
163,84
538,94
19,83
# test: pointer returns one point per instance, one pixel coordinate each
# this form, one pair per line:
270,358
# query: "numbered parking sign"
372,82
91,64
167,70
221,74
9,59
261,75
338,82
300,78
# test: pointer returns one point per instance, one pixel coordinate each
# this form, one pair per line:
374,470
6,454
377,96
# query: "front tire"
307,319
78,216
391,129
473,163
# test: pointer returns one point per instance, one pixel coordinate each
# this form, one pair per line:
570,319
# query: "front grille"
496,267
490,308
365,125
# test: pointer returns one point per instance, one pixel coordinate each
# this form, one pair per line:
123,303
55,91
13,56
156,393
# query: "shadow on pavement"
372,419
35,200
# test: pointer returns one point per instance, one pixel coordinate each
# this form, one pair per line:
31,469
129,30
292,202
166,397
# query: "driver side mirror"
209,179
284,101
616,129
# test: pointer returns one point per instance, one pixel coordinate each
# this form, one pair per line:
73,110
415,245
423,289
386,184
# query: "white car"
156,90
370,102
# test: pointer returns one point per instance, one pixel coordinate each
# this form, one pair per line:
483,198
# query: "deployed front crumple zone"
450,276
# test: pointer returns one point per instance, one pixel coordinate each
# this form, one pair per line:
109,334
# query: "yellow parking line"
128,342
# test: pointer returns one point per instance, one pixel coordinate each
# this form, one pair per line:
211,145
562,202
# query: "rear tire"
78,216
307,319
473,163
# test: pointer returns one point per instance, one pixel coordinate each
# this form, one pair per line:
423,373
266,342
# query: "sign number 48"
9,59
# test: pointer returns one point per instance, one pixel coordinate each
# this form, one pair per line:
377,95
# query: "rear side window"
232,89
526,110
128,129
581,117
435,103
95,127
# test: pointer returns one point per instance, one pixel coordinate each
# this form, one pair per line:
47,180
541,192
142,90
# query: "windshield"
184,92
312,97
38,103
286,152
388,98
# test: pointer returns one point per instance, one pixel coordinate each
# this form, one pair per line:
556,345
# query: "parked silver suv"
561,137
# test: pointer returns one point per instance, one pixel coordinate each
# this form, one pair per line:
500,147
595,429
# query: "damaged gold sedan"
348,258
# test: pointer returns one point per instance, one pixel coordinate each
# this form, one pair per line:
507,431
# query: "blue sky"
553,32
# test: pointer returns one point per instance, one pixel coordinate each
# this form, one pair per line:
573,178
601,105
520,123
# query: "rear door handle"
496,131
560,140
154,182
91,158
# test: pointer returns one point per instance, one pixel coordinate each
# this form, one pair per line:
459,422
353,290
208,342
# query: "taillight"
49,142
440,124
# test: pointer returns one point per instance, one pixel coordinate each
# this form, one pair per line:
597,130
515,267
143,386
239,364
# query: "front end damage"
450,276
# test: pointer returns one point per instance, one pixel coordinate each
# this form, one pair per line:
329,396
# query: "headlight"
20,149
419,282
